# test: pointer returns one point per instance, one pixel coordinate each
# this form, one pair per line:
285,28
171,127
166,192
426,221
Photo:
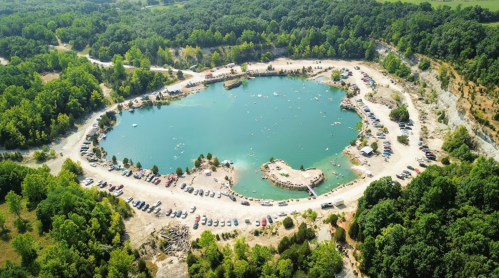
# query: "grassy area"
492,24
161,8
10,232
492,5
85,51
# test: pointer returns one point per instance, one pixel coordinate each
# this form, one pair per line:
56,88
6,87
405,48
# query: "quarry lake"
292,119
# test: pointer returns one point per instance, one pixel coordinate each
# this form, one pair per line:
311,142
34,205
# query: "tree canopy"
443,224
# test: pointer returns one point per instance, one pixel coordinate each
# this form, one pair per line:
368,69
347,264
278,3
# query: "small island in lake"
282,175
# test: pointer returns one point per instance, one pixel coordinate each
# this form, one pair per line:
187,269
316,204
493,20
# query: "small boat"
131,110
259,95
276,94
134,125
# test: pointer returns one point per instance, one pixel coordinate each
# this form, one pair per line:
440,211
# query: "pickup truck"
326,205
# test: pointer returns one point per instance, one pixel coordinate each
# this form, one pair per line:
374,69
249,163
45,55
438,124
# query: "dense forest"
297,257
208,33
84,228
445,223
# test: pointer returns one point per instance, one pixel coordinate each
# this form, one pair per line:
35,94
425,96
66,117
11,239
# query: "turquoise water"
238,125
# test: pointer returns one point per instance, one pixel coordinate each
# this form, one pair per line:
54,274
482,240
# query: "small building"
193,67
366,150
230,65
174,89
207,172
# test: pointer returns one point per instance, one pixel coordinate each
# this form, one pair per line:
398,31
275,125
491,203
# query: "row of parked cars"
142,205
201,192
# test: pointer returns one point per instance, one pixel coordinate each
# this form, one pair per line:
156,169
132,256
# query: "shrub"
287,222
332,219
256,233
339,235
445,160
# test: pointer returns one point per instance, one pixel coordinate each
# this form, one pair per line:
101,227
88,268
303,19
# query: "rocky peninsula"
282,175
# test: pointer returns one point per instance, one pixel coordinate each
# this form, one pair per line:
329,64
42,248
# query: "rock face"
282,175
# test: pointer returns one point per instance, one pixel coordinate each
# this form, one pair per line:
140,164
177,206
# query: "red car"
103,184
112,188
157,181
264,221
197,218
417,171
120,186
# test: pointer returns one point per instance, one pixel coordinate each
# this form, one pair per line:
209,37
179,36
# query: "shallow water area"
291,119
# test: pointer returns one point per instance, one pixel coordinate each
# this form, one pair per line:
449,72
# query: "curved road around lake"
224,208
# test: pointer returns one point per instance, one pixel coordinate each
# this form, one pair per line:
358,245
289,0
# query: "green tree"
114,159
215,59
155,169
180,74
336,75
216,163
244,67
197,163
73,167
118,67
325,259
374,146
119,263
14,203
285,268
287,222
301,167
125,160
3,221
138,165
271,159
179,171
340,235
34,189
209,156
241,267
25,246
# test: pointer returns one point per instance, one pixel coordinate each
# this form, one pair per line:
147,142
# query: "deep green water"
238,125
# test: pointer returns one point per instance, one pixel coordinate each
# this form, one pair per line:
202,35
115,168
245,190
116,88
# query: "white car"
100,182
157,210
215,222
222,223
282,213
129,199
118,193
184,214
276,219
294,211
228,222
158,202
193,208
203,220
219,195
173,213
212,194
93,164
257,222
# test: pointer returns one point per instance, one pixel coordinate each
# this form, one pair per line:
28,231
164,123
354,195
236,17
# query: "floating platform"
229,84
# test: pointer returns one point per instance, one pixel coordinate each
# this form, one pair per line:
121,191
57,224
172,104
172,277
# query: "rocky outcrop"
295,180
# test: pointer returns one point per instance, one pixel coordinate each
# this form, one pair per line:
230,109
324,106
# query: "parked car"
210,222
157,181
423,165
235,222
212,194
168,212
136,203
222,223
197,218
201,192
270,219
120,186
118,193
196,225
145,207
183,185
196,192
179,212
203,220
245,203
417,171
111,188
264,222
410,167
129,199
257,222
193,208
215,222
228,222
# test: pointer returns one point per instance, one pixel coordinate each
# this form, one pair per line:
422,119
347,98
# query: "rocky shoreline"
281,180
